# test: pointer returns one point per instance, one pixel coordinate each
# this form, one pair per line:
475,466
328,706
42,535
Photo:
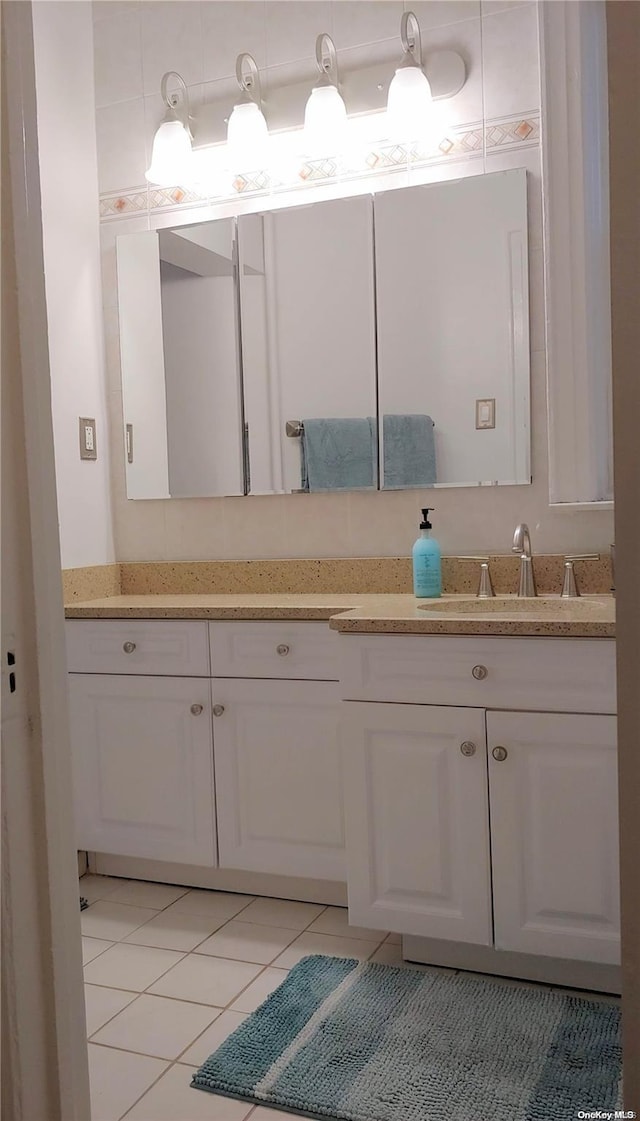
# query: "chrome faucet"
522,545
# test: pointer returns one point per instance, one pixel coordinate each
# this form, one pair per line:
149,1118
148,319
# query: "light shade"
171,156
247,138
409,105
325,122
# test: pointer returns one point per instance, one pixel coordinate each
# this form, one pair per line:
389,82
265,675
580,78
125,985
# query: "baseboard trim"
221,879
503,963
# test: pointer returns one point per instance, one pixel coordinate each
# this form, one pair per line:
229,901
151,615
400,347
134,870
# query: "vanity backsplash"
324,576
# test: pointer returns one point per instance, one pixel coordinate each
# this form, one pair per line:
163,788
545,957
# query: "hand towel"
409,451
339,453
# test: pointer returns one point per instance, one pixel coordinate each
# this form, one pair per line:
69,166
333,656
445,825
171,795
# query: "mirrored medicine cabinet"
376,341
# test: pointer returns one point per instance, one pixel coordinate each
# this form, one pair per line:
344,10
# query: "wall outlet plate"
486,412
88,446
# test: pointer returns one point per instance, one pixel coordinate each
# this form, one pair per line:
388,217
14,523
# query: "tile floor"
170,972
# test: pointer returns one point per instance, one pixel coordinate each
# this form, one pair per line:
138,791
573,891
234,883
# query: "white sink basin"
514,605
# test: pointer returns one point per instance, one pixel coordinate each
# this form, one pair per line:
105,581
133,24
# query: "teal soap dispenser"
427,566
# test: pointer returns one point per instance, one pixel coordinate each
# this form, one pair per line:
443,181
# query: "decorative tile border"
124,205
518,131
160,198
252,181
468,141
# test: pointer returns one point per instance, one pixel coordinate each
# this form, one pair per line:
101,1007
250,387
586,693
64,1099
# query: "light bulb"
325,122
247,138
409,105
171,156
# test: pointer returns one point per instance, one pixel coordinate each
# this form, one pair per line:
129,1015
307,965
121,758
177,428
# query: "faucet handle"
485,587
570,589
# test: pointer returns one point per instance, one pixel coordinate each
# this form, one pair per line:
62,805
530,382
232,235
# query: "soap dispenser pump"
427,566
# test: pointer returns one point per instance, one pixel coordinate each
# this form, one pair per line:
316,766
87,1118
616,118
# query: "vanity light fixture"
247,131
171,155
325,115
410,101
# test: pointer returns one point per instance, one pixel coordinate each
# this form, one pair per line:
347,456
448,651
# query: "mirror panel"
390,332
453,329
181,380
308,334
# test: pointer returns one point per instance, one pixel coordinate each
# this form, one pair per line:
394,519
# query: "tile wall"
495,125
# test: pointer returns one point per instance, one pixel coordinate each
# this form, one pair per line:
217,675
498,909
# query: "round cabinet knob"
500,754
283,649
196,709
129,647
479,672
468,748
218,710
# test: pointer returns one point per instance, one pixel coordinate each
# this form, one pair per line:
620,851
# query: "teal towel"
409,451
339,454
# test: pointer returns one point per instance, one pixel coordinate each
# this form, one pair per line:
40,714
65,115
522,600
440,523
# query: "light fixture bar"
364,89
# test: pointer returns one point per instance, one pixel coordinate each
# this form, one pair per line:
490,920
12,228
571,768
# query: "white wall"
63,41
498,40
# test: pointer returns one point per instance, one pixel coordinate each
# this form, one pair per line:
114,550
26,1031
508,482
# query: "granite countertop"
591,616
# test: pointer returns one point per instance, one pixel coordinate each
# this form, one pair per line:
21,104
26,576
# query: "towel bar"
295,428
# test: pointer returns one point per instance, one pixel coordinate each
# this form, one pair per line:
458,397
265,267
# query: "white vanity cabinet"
554,834
417,820
277,749
505,809
172,720
141,740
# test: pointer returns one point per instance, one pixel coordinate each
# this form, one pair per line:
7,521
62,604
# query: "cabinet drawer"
538,674
170,648
297,651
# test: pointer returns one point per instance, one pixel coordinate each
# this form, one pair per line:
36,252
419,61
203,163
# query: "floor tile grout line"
146,1091
270,965
171,1063
91,1038
228,1007
183,953
148,1054
85,963
134,995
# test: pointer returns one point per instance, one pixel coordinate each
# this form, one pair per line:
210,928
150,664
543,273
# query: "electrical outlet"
88,447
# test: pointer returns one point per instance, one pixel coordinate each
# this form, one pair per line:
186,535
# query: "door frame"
44,1037
623,41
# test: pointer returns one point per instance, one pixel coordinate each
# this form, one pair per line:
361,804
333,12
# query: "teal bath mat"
361,1041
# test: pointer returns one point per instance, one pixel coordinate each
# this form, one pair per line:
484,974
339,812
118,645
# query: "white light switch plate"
486,412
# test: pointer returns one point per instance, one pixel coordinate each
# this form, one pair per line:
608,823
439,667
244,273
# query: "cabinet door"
417,820
143,766
278,777
554,834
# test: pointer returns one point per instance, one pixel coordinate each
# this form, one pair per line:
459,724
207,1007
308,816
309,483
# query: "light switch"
486,412
88,448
